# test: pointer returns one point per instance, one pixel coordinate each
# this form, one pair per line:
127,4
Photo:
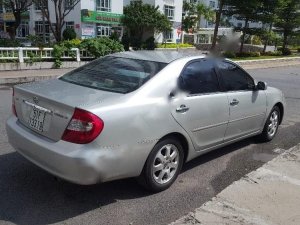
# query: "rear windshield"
115,74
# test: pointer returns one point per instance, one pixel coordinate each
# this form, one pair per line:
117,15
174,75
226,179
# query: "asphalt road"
28,195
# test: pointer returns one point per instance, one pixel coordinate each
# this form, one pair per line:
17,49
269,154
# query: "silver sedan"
139,114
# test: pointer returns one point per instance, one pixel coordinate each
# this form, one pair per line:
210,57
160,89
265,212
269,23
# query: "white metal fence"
21,54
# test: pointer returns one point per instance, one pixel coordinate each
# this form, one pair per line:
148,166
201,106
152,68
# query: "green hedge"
173,45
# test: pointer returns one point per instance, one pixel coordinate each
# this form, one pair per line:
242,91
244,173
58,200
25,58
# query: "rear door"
247,106
202,110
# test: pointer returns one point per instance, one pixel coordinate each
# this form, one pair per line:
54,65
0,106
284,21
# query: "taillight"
13,106
83,128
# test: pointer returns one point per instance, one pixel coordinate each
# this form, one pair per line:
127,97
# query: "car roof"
158,56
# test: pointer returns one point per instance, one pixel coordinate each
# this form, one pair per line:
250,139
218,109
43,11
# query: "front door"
202,110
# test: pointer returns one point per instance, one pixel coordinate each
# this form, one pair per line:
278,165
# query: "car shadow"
29,195
219,152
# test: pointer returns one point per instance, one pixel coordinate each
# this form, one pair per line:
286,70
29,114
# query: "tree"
69,34
267,16
18,7
219,13
288,19
194,14
247,11
61,9
140,18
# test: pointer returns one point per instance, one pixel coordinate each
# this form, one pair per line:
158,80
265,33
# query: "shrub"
9,43
149,44
114,36
286,51
101,46
229,54
74,43
69,34
248,54
174,45
276,53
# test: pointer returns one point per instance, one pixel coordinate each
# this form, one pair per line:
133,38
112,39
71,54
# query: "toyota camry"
139,114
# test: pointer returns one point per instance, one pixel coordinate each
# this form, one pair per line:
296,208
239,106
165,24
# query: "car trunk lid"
47,107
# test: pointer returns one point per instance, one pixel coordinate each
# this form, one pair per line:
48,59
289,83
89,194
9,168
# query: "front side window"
114,74
199,77
103,5
233,78
169,12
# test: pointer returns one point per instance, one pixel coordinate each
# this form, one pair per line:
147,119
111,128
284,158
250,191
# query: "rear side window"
115,74
199,77
233,78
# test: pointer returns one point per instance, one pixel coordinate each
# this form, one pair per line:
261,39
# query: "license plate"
37,119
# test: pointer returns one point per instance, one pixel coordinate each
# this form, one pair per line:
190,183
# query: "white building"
173,10
89,18
205,34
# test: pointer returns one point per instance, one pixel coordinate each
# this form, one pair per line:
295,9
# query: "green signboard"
100,17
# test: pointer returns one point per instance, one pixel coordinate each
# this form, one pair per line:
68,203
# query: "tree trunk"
243,36
217,24
17,23
285,37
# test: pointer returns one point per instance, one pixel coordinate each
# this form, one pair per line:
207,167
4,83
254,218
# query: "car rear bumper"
81,164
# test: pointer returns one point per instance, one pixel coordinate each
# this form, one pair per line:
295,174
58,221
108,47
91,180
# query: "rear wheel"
163,165
271,126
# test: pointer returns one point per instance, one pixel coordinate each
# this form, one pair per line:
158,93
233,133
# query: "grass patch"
173,45
262,57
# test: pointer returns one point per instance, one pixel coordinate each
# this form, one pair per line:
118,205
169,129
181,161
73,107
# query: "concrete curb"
269,195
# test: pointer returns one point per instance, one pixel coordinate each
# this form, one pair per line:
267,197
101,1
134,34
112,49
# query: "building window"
39,28
168,36
39,5
103,30
212,4
1,8
169,12
23,29
69,4
70,24
103,5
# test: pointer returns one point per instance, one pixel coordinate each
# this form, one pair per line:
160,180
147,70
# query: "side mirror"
261,85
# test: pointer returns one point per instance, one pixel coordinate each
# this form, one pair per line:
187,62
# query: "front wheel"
271,125
163,165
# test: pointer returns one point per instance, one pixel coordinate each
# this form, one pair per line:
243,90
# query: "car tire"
163,165
271,125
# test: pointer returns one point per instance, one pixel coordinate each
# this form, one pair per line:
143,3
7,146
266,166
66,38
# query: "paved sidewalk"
269,195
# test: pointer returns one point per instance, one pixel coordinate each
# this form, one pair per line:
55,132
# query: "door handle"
234,102
182,109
